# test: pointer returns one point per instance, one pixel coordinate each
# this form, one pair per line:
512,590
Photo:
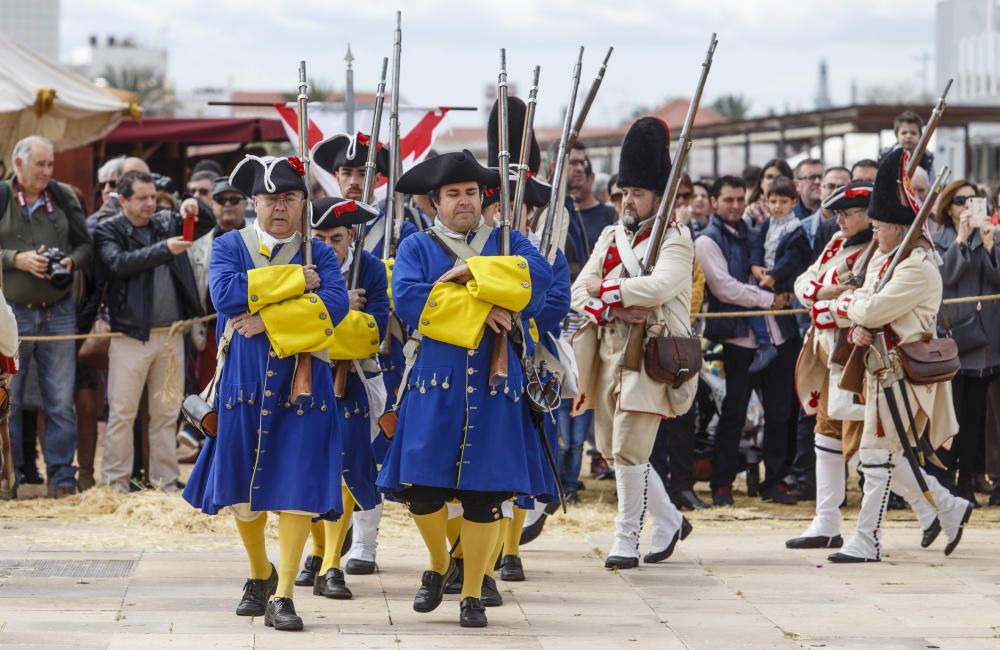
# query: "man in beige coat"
903,311
628,405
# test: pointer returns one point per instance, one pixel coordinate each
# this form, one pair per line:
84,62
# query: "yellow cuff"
297,325
355,337
388,275
533,329
274,284
452,316
501,281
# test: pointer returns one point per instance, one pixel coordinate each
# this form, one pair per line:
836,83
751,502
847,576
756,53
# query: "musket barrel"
925,137
557,177
526,137
395,162
503,155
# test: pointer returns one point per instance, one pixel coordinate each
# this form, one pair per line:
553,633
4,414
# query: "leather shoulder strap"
284,256
458,250
375,235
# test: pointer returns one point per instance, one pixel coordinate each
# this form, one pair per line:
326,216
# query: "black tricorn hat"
536,193
342,150
222,185
454,167
855,194
332,212
889,202
645,157
268,175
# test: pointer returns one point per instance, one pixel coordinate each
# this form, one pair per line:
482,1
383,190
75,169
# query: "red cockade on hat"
296,164
363,139
852,192
346,206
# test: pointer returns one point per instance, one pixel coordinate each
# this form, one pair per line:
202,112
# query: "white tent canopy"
39,97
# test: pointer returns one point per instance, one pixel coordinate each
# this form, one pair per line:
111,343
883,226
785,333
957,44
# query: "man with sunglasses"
201,185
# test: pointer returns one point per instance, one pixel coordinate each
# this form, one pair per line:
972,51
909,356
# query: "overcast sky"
769,50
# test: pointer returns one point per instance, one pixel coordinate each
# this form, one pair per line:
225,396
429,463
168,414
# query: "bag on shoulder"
673,359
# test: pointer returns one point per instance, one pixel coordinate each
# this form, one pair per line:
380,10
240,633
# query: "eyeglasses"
289,200
815,178
113,184
960,200
200,191
830,186
230,200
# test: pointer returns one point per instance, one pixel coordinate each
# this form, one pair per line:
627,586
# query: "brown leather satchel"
673,359
94,351
930,361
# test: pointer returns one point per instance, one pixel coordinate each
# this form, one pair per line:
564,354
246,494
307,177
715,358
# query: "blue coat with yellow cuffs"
454,430
358,336
270,454
549,321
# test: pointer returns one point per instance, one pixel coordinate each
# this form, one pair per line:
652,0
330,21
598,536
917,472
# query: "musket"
522,163
561,155
925,137
302,380
498,363
354,273
853,377
574,135
8,475
632,356
390,237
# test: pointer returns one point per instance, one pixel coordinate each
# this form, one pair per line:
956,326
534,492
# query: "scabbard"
908,453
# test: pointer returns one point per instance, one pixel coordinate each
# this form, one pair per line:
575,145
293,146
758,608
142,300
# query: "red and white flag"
418,128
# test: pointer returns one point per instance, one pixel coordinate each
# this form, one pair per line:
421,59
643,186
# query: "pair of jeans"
758,325
56,377
777,388
572,434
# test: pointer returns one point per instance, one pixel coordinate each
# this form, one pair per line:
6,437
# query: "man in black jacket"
150,284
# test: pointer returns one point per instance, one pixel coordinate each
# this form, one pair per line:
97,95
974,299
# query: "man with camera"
150,284
43,235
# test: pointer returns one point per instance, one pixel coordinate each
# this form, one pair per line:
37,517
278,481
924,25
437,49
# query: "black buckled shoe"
722,496
454,586
332,585
255,595
619,562
930,533
356,567
843,558
489,594
659,556
815,541
432,589
307,576
531,533
511,569
281,616
688,500
953,544
686,528
473,613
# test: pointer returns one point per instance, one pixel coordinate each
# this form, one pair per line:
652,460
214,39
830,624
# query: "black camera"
59,275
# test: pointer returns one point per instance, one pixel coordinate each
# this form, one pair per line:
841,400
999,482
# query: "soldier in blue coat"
459,436
345,157
270,453
355,344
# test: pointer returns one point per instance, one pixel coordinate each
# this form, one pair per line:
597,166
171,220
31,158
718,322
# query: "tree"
732,107
155,95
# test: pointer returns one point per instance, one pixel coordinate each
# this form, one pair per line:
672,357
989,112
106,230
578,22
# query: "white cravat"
347,262
270,241
454,234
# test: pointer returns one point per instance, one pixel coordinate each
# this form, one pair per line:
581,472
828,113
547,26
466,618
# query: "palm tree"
155,95
732,107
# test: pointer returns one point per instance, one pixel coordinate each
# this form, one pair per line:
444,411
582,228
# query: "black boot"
432,589
255,595
511,569
490,595
619,562
531,533
455,585
332,585
930,533
817,541
688,500
281,616
473,613
307,576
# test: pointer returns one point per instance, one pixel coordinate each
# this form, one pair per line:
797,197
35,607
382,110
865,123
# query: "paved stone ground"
724,588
